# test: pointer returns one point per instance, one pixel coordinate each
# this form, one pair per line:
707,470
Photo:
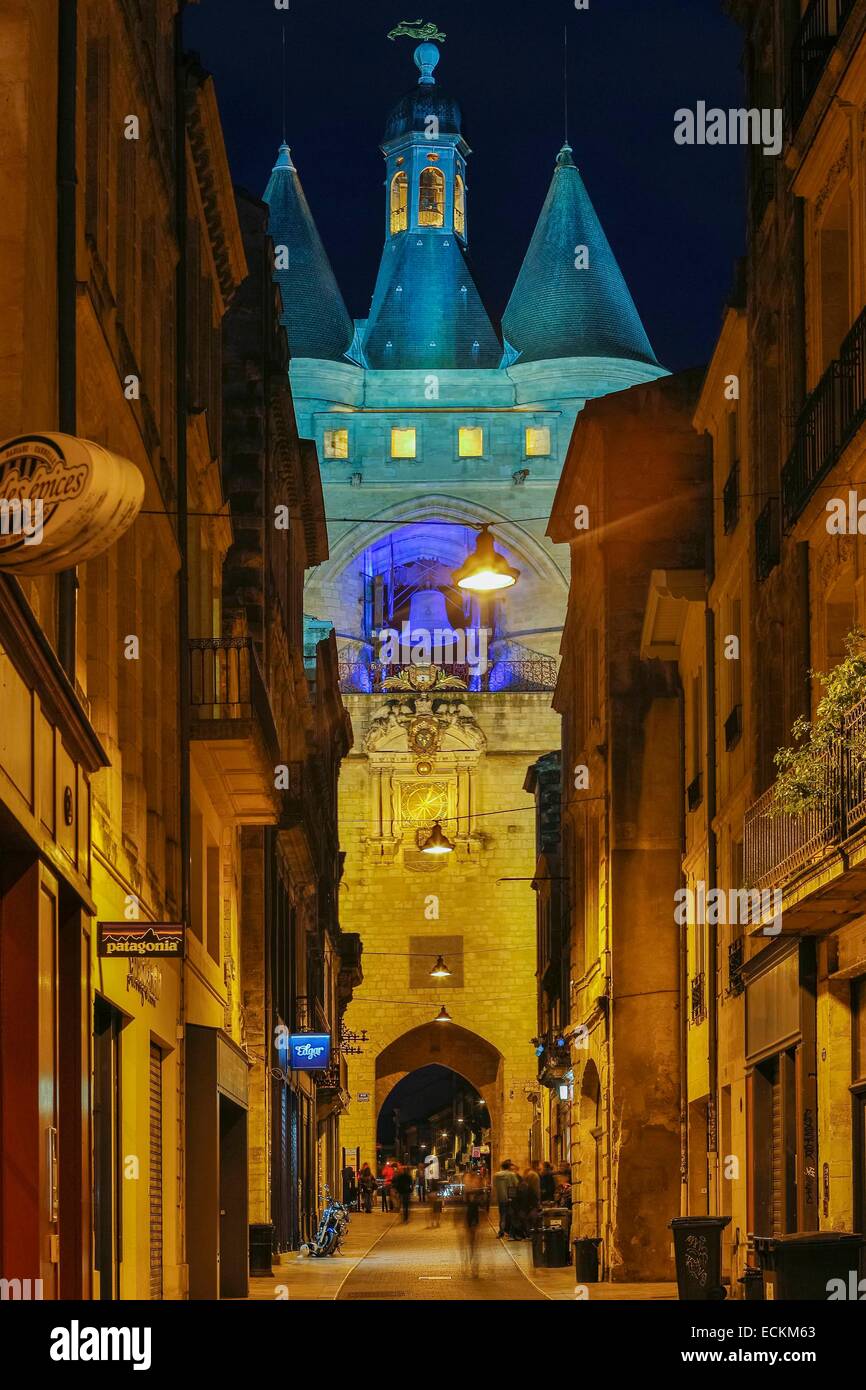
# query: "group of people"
520,1198
395,1186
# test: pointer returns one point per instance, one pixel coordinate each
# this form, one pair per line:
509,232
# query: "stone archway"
471,1056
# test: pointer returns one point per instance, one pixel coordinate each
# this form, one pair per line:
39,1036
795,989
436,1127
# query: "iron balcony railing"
779,847
226,685
815,41
830,418
731,499
699,998
522,676
310,1016
767,538
736,961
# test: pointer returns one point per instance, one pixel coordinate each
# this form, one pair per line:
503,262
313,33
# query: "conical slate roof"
556,310
426,310
314,316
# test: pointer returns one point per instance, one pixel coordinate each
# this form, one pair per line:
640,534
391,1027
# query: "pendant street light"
440,970
486,569
443,1016
438,842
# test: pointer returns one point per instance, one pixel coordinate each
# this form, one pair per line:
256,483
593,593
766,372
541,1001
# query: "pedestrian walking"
421,1184
350,1190
387,1179
547,1183
402,1185
367,1184
473,1195
504,1186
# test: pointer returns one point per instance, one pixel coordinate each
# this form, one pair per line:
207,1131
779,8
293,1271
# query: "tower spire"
283,83
564,78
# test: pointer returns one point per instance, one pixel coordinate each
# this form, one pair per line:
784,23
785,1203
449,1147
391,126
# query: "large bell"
428,616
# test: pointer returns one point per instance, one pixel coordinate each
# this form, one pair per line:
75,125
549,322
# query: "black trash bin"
753,1285
698,1254
586,1259
803,1265
550,1247
261,1249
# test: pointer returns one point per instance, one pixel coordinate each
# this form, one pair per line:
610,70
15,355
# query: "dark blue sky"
674,215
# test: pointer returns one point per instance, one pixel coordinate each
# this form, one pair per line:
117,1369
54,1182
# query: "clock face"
424,802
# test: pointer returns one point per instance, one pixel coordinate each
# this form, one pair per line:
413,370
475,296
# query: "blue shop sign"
310,1051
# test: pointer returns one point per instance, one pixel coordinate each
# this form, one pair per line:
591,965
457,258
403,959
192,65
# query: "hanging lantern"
438,842
486,569
440,970
443,1016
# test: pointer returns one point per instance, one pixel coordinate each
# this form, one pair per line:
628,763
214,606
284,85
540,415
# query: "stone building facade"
430,425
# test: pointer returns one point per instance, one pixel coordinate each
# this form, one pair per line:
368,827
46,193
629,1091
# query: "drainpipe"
181,348
712,867
684,980
67,369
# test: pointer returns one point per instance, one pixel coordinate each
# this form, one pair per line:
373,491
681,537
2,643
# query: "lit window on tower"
470,441
399,203
431,198
336,444
403,444
459,206
538,441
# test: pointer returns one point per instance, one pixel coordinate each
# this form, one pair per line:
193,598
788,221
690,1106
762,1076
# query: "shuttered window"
155,1175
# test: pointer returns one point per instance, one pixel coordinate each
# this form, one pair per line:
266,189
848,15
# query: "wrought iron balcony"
736,960
731,499
816,38
780,848
830,418
310,1016
229,705
699,998
524,675
767,538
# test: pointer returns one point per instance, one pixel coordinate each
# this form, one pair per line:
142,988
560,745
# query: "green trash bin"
805,1264
698,1254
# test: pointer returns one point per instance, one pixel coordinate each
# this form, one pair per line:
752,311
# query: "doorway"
107,1206
774,1170
233,1261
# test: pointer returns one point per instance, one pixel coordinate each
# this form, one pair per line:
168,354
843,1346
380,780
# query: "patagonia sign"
310,1051
140,939
63,500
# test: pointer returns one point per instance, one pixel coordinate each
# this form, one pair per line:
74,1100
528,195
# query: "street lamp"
443,1016
486,569
438,842
440,970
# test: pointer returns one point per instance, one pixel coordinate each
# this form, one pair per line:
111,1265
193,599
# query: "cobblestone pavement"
417,1261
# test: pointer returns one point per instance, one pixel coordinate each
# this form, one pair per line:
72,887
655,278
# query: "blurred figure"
504,1187
387,1179
547,1183
421,1183
402,1185
473,1194
367,1184
350,1191
434,1206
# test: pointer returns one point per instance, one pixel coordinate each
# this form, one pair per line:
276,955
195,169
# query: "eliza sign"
310,1051
63,500
140,939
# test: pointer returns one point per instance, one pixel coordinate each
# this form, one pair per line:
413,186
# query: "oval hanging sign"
63,500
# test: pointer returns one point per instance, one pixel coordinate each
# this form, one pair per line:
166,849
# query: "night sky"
674,215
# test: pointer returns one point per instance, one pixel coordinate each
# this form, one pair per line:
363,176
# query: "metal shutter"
155,1179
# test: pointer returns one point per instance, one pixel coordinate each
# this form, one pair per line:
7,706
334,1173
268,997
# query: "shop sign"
145,977
63,500
363,1095
310,1051
140,939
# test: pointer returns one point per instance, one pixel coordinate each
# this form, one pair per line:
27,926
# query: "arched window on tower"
431,200
459,206
399,202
